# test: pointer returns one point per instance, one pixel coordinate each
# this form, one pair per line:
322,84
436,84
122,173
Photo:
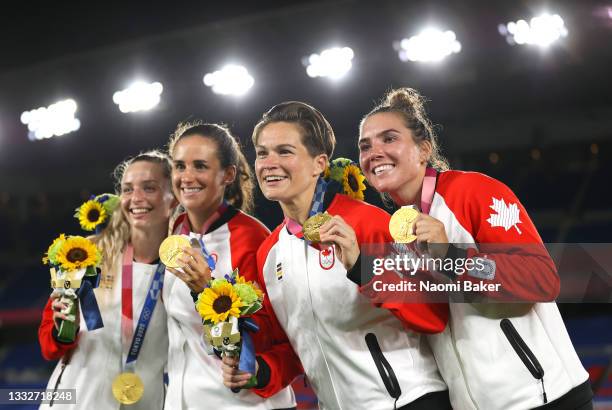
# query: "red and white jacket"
194,373
474,355
98,356
318,313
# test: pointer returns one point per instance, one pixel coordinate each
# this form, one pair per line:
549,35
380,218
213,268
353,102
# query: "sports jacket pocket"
524,353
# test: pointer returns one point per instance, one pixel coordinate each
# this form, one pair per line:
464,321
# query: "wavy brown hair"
240,192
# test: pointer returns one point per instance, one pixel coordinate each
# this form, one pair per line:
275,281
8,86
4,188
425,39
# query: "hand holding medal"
313,224
341,235
407,225
185,260
402,224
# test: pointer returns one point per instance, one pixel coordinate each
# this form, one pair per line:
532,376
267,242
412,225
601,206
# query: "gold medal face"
170,250
401,225
128,388
311,226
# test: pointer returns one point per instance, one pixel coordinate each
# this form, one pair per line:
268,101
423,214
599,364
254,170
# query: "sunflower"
77,253
352,182
91,214
215,305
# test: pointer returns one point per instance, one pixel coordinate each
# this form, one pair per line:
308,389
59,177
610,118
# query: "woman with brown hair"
213,183
492,356
356,355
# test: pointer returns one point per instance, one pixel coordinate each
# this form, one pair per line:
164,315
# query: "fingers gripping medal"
311,226
127,388
170,250
401,225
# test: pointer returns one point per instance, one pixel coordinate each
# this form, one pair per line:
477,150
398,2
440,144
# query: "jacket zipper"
316,320
384,368
524,353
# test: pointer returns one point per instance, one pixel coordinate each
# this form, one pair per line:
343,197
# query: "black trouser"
437,400
579,398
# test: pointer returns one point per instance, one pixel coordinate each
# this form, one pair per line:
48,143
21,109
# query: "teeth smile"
191,190
382,168
139,210
273,178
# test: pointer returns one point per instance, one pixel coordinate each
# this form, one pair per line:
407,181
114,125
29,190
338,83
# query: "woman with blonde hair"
134,337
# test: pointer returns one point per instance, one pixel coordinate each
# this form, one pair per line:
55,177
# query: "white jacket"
194,372
98,358
475,357
326,319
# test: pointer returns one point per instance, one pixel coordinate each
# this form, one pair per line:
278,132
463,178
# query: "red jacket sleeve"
271,342
507,241
373,236
50,348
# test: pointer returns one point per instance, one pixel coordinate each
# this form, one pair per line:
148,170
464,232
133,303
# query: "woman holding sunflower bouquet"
343,341
96,363
214,184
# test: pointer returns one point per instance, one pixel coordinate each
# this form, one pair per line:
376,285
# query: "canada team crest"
327,257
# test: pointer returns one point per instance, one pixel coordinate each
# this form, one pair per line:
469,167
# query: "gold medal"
170,250
128,388
311,226
401,225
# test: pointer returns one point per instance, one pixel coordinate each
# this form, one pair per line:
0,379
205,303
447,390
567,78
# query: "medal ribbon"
428,190
184,230
89,305
317,207
247,349
153,294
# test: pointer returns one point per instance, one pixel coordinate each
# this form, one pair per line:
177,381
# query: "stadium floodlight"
332,62
542,30
230,80
54,120
140,96
430,45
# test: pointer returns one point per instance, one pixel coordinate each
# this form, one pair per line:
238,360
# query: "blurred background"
520,91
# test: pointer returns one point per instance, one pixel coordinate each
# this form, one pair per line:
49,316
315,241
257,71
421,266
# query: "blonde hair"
114,238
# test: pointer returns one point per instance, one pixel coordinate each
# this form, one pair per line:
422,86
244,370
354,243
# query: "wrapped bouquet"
73,261
224,306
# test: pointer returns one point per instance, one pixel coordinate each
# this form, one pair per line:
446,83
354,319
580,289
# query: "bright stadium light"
139,96
542,30
430,45
230,80
54,120
333,63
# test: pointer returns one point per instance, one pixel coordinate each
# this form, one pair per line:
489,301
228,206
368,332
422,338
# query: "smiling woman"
318,318
213,183
476,352
95,363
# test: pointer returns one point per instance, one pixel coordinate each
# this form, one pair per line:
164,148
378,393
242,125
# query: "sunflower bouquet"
348,174
95,213
73,261
224,306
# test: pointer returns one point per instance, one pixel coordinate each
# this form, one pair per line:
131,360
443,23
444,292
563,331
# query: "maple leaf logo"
507,216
